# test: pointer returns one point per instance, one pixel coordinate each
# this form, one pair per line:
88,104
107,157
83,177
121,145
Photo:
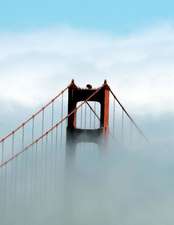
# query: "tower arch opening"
88,116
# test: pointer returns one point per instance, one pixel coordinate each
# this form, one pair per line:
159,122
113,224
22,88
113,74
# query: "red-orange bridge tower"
88,94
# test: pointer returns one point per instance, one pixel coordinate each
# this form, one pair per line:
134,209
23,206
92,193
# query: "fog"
112,181
97,184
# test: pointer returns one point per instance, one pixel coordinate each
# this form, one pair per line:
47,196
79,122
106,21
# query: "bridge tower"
76,135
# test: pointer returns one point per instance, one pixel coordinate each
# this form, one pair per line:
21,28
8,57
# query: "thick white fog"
112,185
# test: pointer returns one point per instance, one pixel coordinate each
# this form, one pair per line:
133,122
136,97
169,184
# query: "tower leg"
70,151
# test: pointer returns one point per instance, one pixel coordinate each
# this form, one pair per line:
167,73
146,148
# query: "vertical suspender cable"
52,116
46,160
114,117
52,121
43,120
131,132
12,147
122,125
36,145
23,127
32,159
62,102
85,115
2,159
33,120
56,136
90,111
81,117
36,165
94,115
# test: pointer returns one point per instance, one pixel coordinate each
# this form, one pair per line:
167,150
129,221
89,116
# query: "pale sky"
138,66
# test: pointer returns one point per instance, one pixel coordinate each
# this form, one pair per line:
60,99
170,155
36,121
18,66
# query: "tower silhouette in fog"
80,135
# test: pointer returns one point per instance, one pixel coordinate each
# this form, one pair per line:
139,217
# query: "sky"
112,16
44,44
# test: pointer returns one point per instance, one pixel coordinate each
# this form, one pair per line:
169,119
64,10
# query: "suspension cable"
51,129
138,129
30,118
93,111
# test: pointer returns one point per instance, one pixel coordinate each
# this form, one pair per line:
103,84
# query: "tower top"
100,95
88,86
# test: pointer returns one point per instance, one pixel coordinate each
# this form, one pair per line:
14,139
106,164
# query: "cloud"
139,66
